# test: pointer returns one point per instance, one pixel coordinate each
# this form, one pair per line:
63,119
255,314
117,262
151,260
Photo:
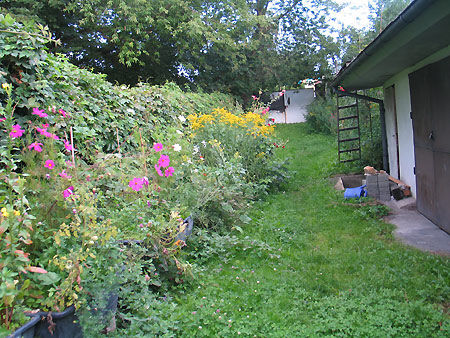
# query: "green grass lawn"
313,265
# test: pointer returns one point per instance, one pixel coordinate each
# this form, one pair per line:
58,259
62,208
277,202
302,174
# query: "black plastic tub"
62,324
65,325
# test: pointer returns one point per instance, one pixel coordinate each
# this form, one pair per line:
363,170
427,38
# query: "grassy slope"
310,265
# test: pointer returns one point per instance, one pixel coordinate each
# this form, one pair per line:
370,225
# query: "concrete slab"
412,228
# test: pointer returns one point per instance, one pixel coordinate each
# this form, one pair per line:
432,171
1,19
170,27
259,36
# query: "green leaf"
245,219
48,278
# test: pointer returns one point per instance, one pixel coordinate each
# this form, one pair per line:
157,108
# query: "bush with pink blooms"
86,166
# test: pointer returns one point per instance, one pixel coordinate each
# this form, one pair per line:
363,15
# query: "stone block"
371,179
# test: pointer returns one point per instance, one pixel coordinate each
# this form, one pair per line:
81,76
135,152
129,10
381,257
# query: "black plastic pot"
66,323
189,222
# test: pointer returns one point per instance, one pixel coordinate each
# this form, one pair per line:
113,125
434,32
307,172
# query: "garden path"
313,265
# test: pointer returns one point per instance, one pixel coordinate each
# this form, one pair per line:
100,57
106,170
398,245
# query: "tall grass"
312,265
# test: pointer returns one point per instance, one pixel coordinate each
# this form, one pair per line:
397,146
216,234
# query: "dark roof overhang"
421,30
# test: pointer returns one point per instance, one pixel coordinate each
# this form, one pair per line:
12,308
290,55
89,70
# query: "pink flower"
145,180
36,269
254,97
63,113
49,164
169,171
16,131
164,161
2,119
68,146
43,131
157,147
38,112
63,174
158,170
265,111
36,146
68,192
136,184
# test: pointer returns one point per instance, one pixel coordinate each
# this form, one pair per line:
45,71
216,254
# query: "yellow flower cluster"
253,122
5,212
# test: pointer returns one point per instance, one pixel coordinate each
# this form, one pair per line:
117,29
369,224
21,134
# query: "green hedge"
101,113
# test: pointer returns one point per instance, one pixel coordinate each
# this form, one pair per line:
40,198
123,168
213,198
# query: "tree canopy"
236,46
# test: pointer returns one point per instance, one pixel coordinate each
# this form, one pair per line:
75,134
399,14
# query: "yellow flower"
4,212
5,85
16,213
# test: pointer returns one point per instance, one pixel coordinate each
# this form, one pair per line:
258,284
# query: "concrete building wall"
296,102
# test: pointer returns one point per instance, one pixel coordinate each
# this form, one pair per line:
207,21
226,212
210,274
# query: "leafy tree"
352,40
237,46
383,12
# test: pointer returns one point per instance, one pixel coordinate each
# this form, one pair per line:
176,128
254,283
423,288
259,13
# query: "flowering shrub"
85,165
56,202
244,138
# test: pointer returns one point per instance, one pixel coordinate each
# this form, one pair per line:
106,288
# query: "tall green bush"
104,117
322,118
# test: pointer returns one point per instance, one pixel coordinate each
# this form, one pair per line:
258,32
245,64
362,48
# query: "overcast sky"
355,13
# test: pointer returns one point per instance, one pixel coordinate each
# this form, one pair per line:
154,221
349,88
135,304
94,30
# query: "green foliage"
101,163
308,265
104,117
322,118
227,46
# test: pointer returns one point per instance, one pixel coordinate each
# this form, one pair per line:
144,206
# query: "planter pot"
66,323
188,225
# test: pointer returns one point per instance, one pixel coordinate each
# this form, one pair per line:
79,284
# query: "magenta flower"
68,192
38,112
36,146
157,147
2,119
63,113
158,170
136,184
49,164
49,135
169,171
63,174
43,131
164,161
145,180
16,131
68,146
